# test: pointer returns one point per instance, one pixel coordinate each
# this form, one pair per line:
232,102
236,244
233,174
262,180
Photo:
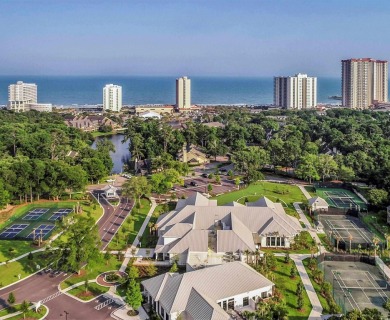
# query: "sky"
248,38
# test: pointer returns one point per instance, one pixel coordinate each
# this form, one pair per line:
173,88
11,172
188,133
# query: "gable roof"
318,201
196,293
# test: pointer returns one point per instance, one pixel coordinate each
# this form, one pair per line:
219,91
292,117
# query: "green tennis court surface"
341,198
37,222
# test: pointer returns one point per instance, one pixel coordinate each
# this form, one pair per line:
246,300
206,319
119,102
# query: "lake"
121,154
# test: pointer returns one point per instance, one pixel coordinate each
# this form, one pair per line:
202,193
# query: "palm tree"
246,252
24,307
375,241
257,255
338,238
350,242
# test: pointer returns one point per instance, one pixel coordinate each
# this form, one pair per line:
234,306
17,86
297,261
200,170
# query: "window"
264,294
245,301
224,305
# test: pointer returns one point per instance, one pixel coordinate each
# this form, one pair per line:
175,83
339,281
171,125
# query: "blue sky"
193,37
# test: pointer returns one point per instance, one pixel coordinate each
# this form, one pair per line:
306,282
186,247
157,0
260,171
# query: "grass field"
9,272
31,314
90,272
284,193
288,287
129,229
23,246
93,291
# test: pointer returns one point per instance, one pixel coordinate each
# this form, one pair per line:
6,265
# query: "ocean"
61,90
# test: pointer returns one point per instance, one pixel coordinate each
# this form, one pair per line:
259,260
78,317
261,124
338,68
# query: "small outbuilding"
318,204
110,192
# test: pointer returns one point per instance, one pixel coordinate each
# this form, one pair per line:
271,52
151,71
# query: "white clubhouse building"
207,294
198,233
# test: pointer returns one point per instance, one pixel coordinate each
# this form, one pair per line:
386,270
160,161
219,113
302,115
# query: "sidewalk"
140,233
304,191
316,310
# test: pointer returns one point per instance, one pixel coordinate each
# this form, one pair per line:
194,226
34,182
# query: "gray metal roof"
212,284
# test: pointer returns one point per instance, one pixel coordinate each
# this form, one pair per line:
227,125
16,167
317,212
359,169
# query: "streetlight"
66,315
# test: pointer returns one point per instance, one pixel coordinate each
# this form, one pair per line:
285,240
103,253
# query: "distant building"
90,123
149,114
41,107
190,154
21,95
183,93
207,294
298,92
112,98
364,82
318,204
160,109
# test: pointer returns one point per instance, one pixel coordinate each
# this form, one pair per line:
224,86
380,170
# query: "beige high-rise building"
112,98
298,92
21,95
364,82
183,93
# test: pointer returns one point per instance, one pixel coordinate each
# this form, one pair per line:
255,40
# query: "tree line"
35,160
342,144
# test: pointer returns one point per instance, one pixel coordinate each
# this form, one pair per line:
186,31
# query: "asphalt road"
113,217
43,284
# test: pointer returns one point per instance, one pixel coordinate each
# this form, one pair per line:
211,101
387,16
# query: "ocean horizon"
138,90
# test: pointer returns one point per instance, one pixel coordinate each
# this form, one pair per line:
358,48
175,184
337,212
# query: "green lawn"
10,271
90,272
14,248
377,224
30,314
129,229
288,287
317,288
94,290
276,192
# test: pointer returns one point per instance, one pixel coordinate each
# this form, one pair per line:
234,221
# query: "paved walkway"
304,191
316,310
140,233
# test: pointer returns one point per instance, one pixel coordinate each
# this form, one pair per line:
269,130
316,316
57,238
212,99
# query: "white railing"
104,304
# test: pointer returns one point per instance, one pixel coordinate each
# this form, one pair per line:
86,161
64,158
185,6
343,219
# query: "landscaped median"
88,292
30,314
90,272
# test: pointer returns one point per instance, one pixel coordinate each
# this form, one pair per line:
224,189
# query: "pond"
121,155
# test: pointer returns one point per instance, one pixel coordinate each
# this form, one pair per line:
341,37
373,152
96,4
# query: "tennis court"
41,231
59,214
349,231
36,219
341,198
357,285
12,231
35,214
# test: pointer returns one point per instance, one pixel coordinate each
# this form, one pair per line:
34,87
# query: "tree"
377,197
133,272
209,187
293,272
4,196
79,244
136,187
86,285
307,168
327,166
287,258
107,257
24,308
133,294
11,298
151,270
300,302
249,161
174,268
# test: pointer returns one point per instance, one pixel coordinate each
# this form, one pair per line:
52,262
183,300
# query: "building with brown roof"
191,154
90,123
